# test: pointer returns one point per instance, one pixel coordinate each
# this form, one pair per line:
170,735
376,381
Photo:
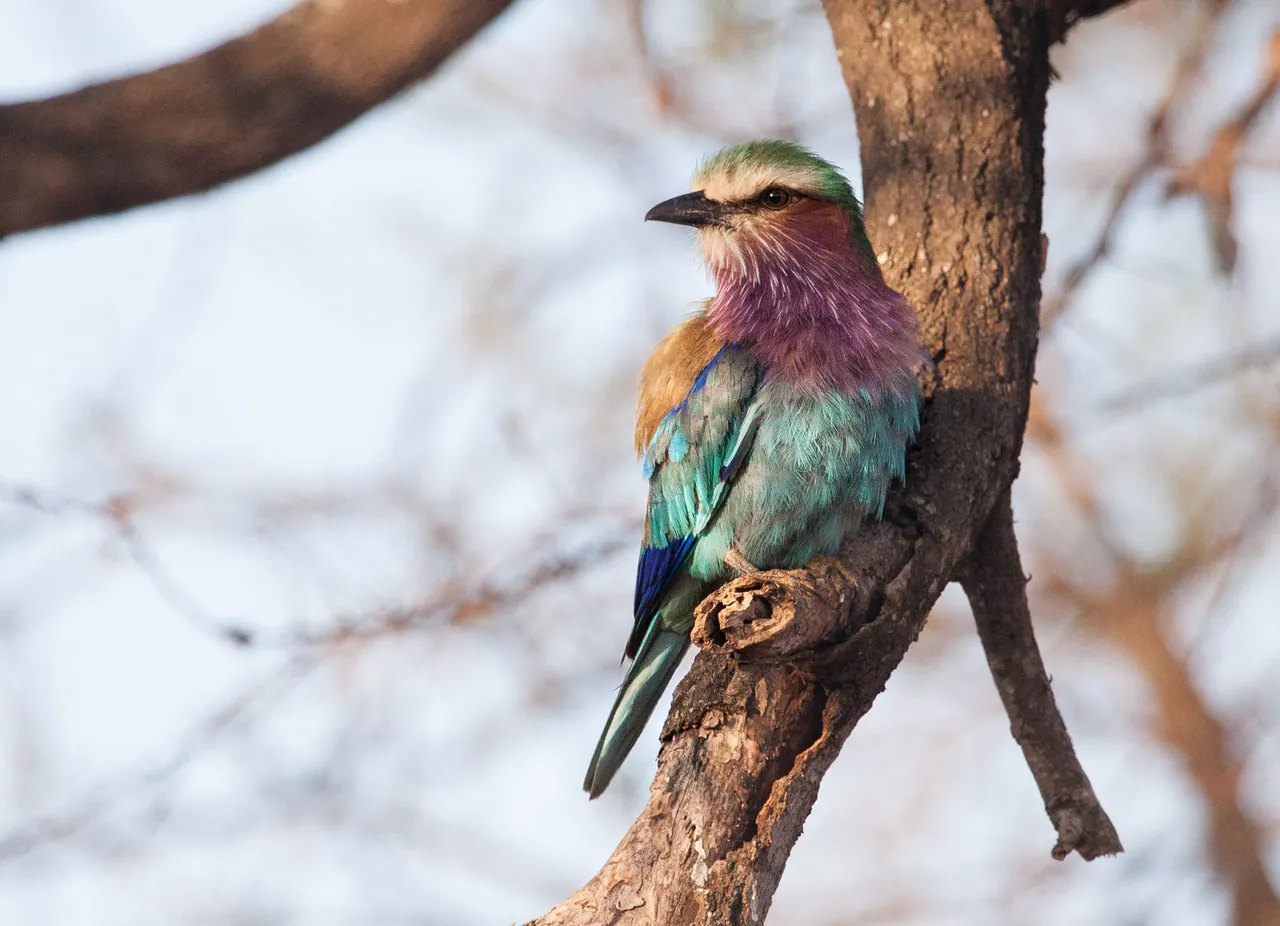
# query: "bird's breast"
822,461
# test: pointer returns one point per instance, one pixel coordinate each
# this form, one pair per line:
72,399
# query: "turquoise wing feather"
690,462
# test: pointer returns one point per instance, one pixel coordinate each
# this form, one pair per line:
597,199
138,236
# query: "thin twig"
168,587
457,603
52,827
482,599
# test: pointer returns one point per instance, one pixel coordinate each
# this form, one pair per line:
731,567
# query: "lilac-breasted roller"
772,421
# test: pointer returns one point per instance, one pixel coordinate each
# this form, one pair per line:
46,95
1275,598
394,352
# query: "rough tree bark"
223,114
950,102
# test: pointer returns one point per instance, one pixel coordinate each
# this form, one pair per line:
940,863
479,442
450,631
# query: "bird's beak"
689,209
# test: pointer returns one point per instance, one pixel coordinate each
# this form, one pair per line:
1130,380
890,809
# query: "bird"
772,421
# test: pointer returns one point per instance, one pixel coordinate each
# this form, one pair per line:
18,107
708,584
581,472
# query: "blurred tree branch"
748,740
223,114
1210,176
41,830
460,600
1200,376
1134,609
1154,155
304,651
1132,613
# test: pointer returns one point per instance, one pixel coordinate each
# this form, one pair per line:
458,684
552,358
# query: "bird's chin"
722,250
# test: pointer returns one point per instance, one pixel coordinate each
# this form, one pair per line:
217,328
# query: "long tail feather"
642,689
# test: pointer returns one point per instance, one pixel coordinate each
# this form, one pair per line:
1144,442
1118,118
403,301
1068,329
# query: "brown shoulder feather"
669,373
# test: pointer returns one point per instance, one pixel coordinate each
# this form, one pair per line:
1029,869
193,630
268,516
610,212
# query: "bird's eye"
775,197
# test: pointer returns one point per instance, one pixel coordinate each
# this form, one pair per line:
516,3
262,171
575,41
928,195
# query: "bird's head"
766,201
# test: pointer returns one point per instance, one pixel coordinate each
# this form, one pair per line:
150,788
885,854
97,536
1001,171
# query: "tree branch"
1188,724
997,590
958,225
1135,609
223,114
1211,175
1155,154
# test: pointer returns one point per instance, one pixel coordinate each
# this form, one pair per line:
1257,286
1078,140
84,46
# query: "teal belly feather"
821,462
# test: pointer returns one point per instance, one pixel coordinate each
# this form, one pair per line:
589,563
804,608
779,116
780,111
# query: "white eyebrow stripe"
747,181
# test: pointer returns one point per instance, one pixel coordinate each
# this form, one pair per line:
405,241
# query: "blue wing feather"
657,566
692,457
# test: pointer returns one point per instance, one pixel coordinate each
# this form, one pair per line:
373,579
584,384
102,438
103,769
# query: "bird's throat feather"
805,292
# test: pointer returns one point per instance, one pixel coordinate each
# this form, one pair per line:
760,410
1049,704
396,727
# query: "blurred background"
318,512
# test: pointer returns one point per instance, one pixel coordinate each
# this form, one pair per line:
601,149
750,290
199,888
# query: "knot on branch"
774,615
1084,828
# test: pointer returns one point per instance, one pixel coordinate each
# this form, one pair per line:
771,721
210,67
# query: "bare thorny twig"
457,601
304,651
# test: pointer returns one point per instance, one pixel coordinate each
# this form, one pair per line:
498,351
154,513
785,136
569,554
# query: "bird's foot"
739,563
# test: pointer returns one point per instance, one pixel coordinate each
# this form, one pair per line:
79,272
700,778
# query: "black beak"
690,209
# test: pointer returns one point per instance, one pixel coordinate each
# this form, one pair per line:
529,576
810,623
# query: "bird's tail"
646,680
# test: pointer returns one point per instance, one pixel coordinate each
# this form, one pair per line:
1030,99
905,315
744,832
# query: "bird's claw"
739,563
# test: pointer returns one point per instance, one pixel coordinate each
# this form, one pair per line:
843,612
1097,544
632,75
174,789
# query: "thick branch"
223,114
997,591
958,231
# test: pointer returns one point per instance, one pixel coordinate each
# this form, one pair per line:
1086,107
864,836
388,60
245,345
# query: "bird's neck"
810,303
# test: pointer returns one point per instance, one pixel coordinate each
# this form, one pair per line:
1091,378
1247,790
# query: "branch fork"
788,616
